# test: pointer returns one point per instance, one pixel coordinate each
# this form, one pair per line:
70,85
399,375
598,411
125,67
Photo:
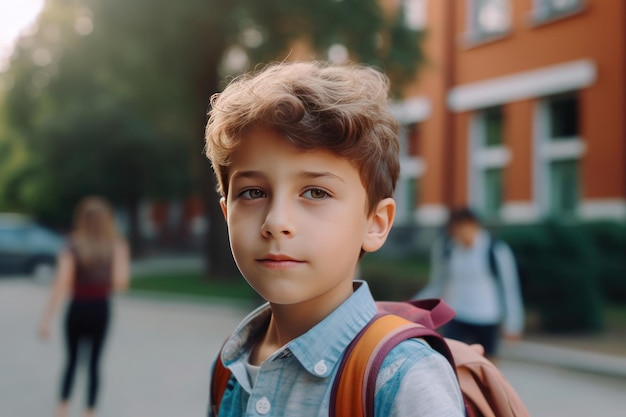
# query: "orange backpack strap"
219,382
355,383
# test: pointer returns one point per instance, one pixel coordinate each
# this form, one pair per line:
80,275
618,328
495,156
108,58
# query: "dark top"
92,281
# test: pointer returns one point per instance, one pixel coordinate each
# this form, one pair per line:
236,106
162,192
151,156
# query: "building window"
489,157
414,140
415,13
564,185
494,125
563,113
488,19
412,168
547,10
559,150
493,192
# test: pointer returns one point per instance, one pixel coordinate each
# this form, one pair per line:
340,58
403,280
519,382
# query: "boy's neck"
289,322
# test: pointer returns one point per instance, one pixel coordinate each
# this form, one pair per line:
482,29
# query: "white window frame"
482,158
415,14
411,168
475,34
544,12
553,79
548,150
410,111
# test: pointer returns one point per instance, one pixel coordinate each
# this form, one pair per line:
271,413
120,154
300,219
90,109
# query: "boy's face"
465,232
297,219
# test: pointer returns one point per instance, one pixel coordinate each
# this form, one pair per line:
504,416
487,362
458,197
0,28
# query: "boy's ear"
224,209
380,223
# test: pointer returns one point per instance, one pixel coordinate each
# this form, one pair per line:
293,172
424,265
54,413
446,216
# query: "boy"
476,275
306,157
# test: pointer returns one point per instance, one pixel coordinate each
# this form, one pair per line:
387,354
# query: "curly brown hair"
343,109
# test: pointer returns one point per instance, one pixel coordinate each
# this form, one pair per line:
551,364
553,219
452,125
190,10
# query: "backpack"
485,390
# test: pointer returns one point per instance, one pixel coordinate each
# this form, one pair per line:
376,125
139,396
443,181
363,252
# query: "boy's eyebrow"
315,175
300,174
247,174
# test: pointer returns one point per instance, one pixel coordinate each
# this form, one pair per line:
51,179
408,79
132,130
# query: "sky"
15,16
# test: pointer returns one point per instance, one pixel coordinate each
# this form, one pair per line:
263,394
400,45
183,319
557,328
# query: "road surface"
157,360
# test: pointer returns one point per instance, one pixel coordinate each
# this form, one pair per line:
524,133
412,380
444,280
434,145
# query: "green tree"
94,118
106,83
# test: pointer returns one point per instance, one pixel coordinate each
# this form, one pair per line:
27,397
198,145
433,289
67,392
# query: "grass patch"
390,278
615,315
394,278
404,268
191,283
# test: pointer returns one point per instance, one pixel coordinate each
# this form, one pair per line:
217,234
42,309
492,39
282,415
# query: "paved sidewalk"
578,360
155,364
157,360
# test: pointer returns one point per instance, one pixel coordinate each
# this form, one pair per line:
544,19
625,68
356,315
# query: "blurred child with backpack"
476,275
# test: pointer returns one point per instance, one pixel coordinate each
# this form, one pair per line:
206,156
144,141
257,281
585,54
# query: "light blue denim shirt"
297,379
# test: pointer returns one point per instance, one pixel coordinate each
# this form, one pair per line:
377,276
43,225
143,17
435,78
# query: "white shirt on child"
464,280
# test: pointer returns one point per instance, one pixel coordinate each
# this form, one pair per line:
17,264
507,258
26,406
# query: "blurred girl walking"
94,263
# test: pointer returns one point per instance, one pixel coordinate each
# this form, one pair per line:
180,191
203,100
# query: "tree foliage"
110,96
372,35
94,117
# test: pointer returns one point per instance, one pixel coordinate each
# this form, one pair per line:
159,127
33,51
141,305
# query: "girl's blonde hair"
343,109
95,231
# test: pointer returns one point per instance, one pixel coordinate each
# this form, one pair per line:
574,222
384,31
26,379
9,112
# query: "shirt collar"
319,349
242,339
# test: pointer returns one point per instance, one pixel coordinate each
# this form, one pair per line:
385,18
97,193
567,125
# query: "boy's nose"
278,221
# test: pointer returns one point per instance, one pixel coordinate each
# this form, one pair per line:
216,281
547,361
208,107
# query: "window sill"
474,39
539,17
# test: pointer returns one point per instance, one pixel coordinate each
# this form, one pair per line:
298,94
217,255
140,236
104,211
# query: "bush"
394,278
531,246
559,272
609,238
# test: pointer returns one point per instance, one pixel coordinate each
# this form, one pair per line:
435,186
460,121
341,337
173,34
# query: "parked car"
26,247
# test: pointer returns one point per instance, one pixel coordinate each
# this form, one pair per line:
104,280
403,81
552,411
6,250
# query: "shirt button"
263,406
320,368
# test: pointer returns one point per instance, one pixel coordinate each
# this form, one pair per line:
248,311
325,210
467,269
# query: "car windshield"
31,236
11,237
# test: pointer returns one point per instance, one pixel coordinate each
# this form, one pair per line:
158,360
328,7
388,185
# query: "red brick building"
518,112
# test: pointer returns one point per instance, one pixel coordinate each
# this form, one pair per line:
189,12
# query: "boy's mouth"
278,261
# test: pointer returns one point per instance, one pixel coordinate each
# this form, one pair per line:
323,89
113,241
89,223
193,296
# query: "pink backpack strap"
355,382
431,313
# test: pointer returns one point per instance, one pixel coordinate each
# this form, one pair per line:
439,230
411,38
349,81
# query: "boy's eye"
251,194
316,194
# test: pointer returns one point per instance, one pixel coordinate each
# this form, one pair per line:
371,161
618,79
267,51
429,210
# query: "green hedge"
560,269
394,278
609,238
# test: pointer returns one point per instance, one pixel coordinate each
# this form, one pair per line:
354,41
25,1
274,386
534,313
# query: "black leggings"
86,326
486,334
